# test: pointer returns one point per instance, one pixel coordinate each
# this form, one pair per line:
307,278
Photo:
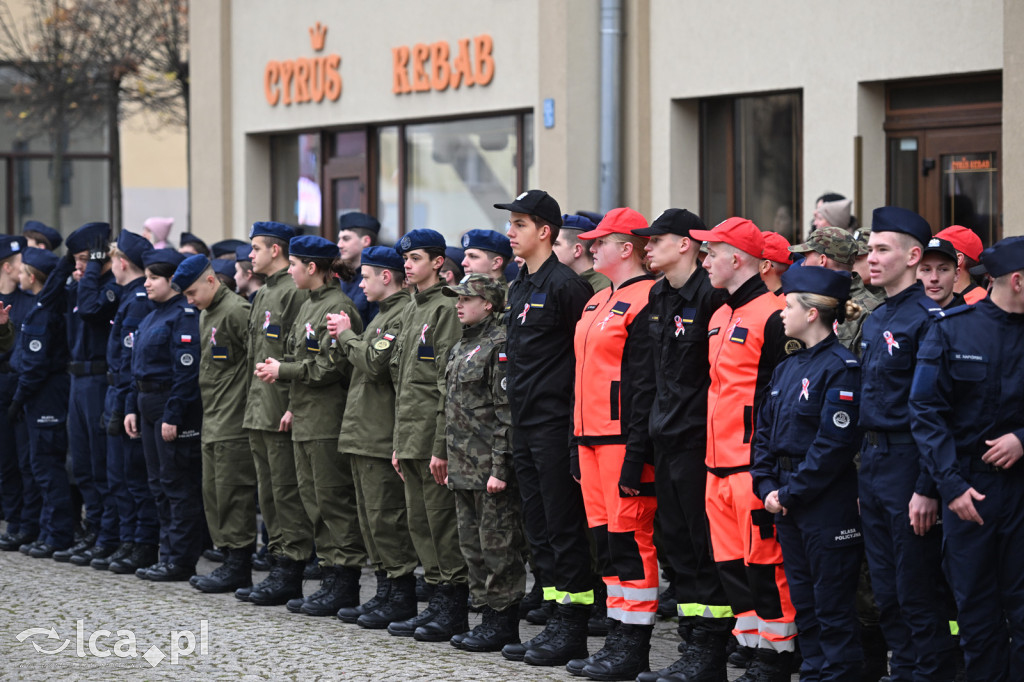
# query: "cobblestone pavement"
242,641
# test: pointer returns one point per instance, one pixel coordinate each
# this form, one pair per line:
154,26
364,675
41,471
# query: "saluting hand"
336,324
1003,451
963,506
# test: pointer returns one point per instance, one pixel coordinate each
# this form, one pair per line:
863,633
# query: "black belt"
789,463
153,386
722,472
83,369
875,438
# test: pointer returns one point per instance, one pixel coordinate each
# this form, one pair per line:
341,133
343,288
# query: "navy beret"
269,228
354,220
812,279
189,271
455,253
896,219
11,245
312,246
87,235
133,246
227,247
578,222
189,238
223,266
1004,257
51,235
42,260
382,257
242,253
167,256
420,239
488,240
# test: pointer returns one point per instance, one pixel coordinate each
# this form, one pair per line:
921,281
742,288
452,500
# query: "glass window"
751,160
388,184
82,192
903,172
295,185
457,171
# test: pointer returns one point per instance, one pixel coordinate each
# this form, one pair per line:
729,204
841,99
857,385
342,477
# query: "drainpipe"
611,104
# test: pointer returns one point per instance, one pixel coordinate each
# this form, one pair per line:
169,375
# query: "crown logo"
317,35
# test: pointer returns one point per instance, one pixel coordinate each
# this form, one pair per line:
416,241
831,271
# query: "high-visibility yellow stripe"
954,628
704,611
579,598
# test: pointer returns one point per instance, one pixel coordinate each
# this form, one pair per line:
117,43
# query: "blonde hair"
828,308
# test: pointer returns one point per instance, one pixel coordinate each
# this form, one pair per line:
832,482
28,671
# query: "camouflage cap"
861,236
477,284
834,242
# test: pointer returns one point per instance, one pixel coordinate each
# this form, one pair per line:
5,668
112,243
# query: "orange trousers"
623,529
749,560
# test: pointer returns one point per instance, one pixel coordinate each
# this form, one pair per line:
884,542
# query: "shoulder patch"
792,346
188,310
140,294
959,310
111,295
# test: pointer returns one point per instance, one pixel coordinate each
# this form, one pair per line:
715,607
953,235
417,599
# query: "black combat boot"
541,614
10,542
685,630
703,661
452,616
406,628
516,652
64,555
486,618
501,628
242,593
350,614
343,592
533,599
576,665
143,555
667,602
96,551
234,573
629,657
328,578
743,656
424,590
568,641
122,552
876,653
399,606
768,666
599,624
284,583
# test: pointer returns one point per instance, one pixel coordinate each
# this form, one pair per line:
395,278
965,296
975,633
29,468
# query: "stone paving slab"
243,641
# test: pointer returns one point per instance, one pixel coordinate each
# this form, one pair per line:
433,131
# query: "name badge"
592,306
538,300
313,345
273,331
739,335
219,352
425,353
620,308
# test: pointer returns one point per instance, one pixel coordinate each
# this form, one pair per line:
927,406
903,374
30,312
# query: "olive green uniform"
366,438
274,309
477,434
849,332
317,401
596,279
229,473
430,327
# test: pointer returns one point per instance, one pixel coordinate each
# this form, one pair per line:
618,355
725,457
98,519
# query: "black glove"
115,427
99,251
14,412
629,476
574,462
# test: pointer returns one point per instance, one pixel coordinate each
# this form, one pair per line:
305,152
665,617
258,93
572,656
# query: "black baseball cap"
536,202
673,221
942,247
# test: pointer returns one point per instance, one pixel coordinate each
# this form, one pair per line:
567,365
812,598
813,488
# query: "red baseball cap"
963,240
738,232
617,221
776,248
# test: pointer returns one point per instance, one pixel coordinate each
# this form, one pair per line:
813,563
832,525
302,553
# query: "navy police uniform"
165,390
40,361
804,447
968,389
94,302
906,571
350,221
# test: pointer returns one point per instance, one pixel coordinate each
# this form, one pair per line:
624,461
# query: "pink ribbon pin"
266,320
473,352
805,394
423,334
213,336
679,326
890,341
522,315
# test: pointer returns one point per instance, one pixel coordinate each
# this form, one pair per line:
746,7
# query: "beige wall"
829,51
1013,118
154,172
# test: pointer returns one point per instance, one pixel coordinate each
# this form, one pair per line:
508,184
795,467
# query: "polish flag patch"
186,338
846,395
502,357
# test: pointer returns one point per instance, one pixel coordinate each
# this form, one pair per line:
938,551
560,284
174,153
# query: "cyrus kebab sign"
419,68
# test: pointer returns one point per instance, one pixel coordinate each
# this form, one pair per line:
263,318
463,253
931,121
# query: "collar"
221,292
398,298
479,329
913,291
321,291
432,292
277,277
747,292
539,278
986,305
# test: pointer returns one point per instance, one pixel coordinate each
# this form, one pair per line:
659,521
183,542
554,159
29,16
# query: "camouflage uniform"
477,426
596,279
849,332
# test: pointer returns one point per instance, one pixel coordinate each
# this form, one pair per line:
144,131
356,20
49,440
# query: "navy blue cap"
1004,257
420,239
168,256
51,235
227,247
313,246
489,240
134,247
11,245
42,260
578,222
354,220
896,219
84,237
223,266
189,271
242,253
269,228
189,238
813,279
382,257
